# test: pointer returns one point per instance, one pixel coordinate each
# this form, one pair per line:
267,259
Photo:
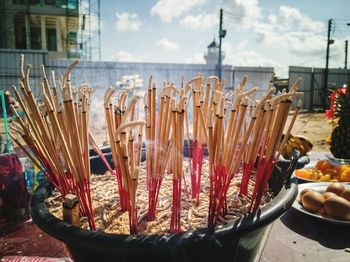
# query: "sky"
272,33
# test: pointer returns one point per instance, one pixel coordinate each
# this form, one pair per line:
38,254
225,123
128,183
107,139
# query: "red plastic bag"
13,192
34,259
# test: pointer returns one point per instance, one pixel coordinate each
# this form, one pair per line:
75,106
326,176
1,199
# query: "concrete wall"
257,76
104,74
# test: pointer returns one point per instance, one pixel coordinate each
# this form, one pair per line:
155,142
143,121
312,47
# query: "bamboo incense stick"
62,152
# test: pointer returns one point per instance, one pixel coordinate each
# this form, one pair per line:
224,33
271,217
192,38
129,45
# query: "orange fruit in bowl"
325,178
304,173
331,172
345,175
338,169
323,165
301,173
316,174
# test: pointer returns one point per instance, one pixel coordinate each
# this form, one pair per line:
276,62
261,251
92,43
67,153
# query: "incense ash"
166,193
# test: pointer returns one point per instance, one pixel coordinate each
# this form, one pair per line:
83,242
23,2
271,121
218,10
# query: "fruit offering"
340,138
325,171
333,203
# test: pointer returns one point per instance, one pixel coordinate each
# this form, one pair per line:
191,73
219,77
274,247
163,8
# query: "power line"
337,29
342,19
342,34
238,23
240,19
341,28
240,16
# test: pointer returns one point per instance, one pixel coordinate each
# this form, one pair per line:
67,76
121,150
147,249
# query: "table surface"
298,237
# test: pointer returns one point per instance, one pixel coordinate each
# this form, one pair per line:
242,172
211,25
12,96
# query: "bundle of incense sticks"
125,135
252,138
201,102
55,126
177,137
247,134
158,134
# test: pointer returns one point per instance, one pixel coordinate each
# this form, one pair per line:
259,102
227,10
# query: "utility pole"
346,55
325,82
222,34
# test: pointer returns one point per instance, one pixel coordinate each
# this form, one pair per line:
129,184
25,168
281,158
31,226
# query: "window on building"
69,4
20,35
50,2
34,2
72,39
35,37
18,2
72,4
51,39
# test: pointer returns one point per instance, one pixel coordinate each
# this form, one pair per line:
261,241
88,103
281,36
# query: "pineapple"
340,139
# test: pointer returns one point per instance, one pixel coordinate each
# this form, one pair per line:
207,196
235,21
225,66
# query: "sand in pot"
109,217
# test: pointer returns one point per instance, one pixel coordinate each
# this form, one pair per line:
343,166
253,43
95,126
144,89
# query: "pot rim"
121,243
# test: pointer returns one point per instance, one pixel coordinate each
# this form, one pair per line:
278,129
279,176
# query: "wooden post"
71,213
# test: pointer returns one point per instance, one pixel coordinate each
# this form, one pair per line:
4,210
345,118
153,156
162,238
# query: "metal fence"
9,67
312,83
104,74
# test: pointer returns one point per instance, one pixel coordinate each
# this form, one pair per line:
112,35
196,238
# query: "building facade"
50,25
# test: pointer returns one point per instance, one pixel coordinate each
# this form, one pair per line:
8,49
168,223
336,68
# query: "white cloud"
128,22
199,22
290,17
197,58
240,45
244,13
292,31
124,56
238,57
252,58
169,9
300,43
229,52
166,44
336,53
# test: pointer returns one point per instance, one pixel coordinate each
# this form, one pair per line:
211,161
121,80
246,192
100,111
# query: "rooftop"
213,44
